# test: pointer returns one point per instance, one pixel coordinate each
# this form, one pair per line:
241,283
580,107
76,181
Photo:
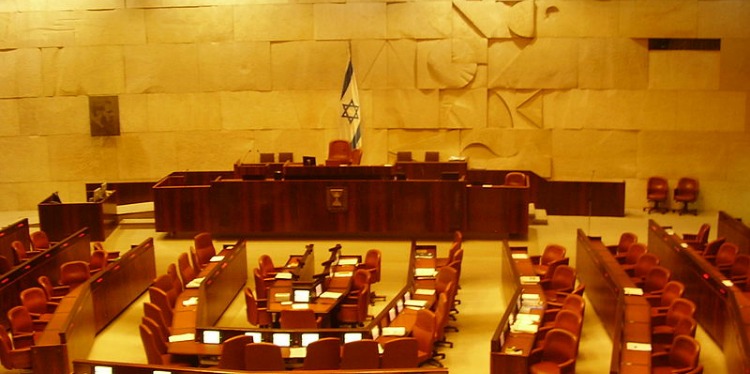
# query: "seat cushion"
544,367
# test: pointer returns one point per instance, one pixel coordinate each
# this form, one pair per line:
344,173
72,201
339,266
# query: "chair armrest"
562,261
535,355
662,337
654,300
39,325
567,365
535,259
544,283
35,315
658,319
60,290
23,340
659,310
659,359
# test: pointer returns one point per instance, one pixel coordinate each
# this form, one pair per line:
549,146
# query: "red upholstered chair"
13,358
657,192
740,269
165,283
662,342
286,157
354,311
626,239
21,252
572,302
360,354
204,248
98,261
175,276
161,341
655,280
681,358
299,319
641,268
552,256
356,156
516,178
154,312
432,156
54,293
400,353
187,272
561,283
698,240
159,298
233,352
150,344
372,265
73,273
442,310
266,266
725,256
40,241
323,354
403,156
266,158
339,153
455,246
262,284
557,355
263,357
567,320
630,257
25,330
686,193
256,311
424,332
36,302
666,322
661,301
712,248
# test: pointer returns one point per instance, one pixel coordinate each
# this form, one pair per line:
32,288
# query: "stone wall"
566,88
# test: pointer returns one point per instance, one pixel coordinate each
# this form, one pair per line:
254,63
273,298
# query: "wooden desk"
59,220
626,318
720,306
18,230
430,170
70,333
735,231
75,247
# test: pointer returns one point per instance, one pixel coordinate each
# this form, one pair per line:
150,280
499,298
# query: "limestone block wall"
566,88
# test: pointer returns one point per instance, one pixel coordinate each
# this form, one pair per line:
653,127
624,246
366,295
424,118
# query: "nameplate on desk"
529,279
424,272
182,337
347,261
216,258
424,291
527,318
195,283
190,302
519,256
393,331
300,306
283,275
330,295
633,291
645,347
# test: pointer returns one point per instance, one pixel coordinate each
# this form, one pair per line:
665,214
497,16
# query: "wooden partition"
722,308
127,192
18,230
429,170
58,220
625,314
75,247
181,201
90,367
735,231
221,285
88,308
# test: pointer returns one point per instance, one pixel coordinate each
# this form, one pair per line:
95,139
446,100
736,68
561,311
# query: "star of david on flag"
350,106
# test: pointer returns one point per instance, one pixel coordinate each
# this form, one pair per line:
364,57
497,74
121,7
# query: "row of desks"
613,294
723,309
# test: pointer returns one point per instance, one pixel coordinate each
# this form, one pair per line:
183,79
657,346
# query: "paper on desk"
519,256
347,261
300,306
297,352
195,283
524,327
418,303
216,258
191,301
393,331
342,274
529,279
424,291
330,295
424,272
633,291
182,337
283,275
527,318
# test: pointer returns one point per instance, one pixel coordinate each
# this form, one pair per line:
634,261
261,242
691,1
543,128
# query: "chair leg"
444,343
451,328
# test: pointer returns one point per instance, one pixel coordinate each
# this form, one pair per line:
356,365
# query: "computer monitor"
352,337
308,337
257,337
282,339
301,295
309,161
99,369
211,337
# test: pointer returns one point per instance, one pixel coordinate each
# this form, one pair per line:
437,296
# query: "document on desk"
182,337
283,275
300,306
416,303
330,295
340,274
633,291
195,283
393,331
424,272
216,258
190,302
527,318
529,279
347,261
519,256
297,352
424,291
